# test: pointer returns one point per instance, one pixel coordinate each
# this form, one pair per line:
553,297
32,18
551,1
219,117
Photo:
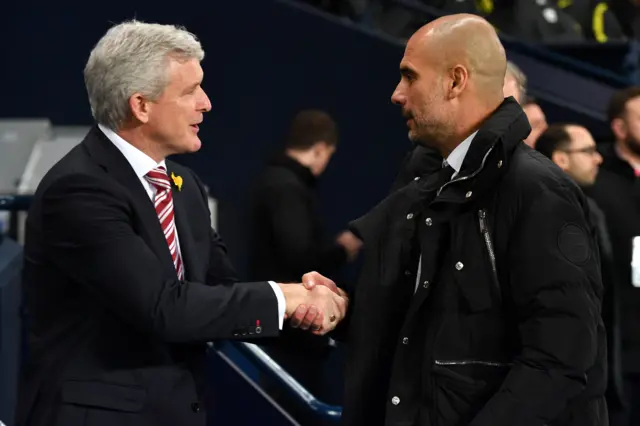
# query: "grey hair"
133,57
521,79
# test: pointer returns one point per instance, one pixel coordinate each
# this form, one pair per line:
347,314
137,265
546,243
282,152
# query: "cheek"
634,130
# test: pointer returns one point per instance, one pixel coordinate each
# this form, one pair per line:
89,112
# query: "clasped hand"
318,304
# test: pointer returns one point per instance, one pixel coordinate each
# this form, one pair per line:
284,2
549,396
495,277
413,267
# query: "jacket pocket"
457,397
128,399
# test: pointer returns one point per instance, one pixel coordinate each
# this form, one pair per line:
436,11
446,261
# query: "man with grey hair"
124,278
515,83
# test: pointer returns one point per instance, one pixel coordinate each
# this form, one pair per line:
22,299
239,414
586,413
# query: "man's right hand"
350,243
319,309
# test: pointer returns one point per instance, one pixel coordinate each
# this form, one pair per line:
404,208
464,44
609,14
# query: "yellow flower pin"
177,181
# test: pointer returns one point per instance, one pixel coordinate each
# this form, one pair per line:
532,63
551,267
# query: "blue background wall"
265,60
260,68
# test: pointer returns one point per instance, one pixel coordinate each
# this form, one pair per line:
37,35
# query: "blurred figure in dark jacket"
573,149
617,192
287,238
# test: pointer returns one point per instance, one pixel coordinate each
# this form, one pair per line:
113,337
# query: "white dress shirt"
455,160
143,164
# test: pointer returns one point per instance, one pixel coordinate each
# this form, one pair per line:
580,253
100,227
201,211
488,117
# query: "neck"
627,154
306,158
467,122
136,137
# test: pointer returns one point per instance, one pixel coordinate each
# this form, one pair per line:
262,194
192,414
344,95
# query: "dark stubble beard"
633,145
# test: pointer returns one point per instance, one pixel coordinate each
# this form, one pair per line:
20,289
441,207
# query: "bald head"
469,41
452,72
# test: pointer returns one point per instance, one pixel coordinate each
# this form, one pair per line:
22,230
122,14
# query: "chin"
193,144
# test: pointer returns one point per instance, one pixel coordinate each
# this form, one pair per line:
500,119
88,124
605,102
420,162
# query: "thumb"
309,283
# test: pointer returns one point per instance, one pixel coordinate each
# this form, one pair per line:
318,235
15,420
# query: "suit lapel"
111,159
184,230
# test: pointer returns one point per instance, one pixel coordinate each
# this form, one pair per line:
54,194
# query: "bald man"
421,161
479,301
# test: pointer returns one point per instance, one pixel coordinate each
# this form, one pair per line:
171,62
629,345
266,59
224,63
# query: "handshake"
318,304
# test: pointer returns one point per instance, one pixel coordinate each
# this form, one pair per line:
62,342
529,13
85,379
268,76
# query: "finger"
340,307
319,332
311,279
308,319
317,322
308,280
328,325
343,294
298,316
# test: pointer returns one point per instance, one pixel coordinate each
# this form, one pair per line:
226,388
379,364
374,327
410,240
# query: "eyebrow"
192,87
407,72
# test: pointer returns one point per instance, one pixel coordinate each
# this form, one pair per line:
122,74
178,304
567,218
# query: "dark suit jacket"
287,236
115,337
288,241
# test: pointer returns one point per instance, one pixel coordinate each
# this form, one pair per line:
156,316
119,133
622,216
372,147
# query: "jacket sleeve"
420,161
555,286
292,221
88,231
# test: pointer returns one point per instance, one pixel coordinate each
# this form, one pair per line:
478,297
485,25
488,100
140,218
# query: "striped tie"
164,209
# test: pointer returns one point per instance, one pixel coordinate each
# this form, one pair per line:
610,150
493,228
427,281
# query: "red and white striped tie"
164,209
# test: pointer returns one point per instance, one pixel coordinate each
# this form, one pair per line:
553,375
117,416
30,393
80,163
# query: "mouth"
195,127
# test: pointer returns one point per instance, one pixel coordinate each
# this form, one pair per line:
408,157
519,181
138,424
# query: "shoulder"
75,169
280,179
532,176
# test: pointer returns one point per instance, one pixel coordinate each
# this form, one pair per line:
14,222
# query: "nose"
598,158
398,97
204,104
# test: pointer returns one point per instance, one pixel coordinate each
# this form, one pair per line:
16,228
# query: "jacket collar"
611,161
489,154
302,172
107,156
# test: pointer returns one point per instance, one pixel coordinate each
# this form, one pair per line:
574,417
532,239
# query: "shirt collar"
140,162
456,157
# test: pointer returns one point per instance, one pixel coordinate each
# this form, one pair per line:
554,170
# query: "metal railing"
267,365
15,202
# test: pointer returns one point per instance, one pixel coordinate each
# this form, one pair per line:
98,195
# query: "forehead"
185,71
580,135
633,106
534,112
417,54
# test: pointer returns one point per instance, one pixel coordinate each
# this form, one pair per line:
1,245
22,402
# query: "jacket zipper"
484,159
484,229
472,362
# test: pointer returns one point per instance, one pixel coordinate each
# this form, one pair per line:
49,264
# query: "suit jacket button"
195,407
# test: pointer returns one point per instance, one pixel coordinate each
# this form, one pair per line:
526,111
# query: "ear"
317,148
459,77
140,107
619,128
561,159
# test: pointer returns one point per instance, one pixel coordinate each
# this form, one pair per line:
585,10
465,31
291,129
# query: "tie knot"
158,178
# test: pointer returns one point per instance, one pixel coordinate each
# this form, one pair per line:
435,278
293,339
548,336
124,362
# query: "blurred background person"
515,83
574,150
288,236
617,192
537,120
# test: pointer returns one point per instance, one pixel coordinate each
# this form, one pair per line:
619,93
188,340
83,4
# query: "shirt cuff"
282,304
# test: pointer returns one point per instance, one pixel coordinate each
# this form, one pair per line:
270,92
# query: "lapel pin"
177,181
